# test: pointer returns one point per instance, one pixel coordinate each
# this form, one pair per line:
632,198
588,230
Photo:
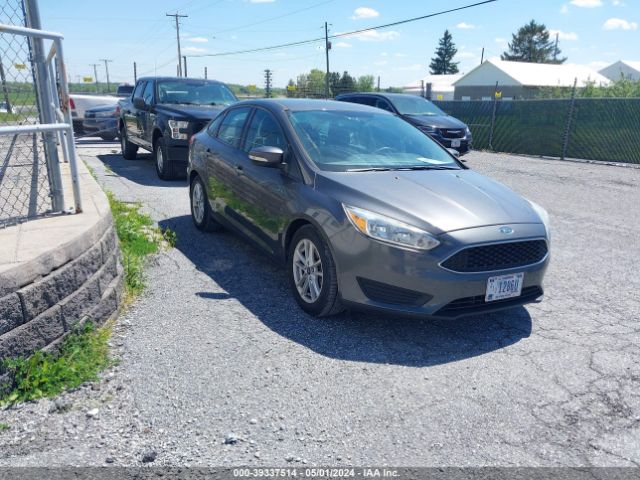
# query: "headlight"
427,129
388,230
544,216
175,126
467,132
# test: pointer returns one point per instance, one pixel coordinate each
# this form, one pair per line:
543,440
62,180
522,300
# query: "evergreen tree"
443,63
532,44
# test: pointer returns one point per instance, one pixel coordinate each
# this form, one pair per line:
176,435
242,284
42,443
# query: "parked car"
102,121
80,103
365,210
124,90
420,112
163,112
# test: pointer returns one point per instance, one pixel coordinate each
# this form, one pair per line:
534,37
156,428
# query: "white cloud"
619,24
400,55
194,50
503,42
381,63
364,12
618,3
341,45
587,3
565,9
198,39
569,36
465,26
374,36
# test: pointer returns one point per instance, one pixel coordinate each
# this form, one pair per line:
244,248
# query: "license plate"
504,286
455,143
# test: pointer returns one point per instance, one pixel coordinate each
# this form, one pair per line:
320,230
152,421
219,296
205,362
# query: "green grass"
82,355
4,426
139,237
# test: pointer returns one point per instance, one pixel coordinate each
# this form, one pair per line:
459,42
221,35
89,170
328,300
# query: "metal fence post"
567,129
47,113
493,117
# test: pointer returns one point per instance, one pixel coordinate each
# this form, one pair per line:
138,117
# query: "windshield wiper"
426,167
369,169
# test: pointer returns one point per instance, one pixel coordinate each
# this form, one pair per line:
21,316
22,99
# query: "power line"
342,35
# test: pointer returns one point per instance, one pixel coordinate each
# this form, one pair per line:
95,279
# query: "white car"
80,103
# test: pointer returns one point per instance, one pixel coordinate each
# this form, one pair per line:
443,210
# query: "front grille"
384,293
499,256
452,133
89,115
477,304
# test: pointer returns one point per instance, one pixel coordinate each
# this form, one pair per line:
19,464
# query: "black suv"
162,114
421,113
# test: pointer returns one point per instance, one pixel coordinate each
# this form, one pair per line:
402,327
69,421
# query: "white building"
521,79
622,68
441,86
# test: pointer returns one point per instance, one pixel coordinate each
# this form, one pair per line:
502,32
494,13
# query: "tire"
164,166
108,138
129,150
201,216
327,301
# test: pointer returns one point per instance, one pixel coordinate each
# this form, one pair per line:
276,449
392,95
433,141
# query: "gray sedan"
365,210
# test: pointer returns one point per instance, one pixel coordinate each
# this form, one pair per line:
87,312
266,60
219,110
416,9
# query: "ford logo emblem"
506,230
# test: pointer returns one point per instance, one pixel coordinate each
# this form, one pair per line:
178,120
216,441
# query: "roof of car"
390,96
302,104
179,79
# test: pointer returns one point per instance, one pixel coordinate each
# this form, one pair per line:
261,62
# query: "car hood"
440,201
191,112
439,121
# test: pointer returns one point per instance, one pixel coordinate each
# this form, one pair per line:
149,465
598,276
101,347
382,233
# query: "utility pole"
106,67
267,83
5,90
327,47
184,57
135,72
482,57
177,17
95,75
378,83
205,73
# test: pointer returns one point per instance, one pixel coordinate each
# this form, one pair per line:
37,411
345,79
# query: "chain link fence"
605,129
24,178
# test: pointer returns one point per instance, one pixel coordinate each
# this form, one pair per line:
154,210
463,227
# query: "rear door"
146,116
131,113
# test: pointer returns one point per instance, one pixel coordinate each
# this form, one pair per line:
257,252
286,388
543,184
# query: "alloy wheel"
160,159
307,270
197,202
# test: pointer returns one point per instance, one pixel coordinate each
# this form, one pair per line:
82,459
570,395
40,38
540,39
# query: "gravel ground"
218,366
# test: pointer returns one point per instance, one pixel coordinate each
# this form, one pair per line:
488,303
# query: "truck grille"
477,304
500,256
452,133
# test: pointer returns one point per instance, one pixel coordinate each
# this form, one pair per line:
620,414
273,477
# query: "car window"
414,105
264,131
194,92
384,105
371,101
232,125
212,129
137,93
147,95
343,140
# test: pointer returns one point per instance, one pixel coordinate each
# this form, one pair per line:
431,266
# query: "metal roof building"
521,79
441,86
622,68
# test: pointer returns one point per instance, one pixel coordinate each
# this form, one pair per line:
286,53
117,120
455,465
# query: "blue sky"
592,32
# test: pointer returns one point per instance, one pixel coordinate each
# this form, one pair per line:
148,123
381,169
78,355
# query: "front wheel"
129,150
312,273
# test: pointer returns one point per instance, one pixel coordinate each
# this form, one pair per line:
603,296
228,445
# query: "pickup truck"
163,113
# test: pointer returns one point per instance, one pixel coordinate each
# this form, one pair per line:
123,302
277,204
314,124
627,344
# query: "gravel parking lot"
218,366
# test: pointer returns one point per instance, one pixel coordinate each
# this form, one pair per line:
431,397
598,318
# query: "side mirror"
454,152
266,156
139,103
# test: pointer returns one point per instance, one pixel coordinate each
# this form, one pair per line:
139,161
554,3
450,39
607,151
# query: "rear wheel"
312,273
129,150
200,209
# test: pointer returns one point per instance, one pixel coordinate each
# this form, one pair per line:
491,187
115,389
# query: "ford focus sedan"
366,211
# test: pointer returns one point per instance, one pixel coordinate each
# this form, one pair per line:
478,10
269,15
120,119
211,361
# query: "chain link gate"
34,122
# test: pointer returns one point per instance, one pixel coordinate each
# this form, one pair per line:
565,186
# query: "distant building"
441,86
622,68
521,80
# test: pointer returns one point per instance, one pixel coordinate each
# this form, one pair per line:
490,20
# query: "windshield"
414,105
194,92
346,141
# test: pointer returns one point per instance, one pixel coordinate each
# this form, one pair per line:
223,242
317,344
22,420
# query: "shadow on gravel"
141,170
261,286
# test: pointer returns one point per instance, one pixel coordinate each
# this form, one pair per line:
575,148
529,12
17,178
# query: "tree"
334,83
532,44
316,83
443,63
347,83
365,83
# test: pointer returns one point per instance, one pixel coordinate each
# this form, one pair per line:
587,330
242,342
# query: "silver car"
365,210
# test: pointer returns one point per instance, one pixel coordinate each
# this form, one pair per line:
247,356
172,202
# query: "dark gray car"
365,210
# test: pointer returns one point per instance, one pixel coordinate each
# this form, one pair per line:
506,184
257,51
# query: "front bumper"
464,147
374,275
106,126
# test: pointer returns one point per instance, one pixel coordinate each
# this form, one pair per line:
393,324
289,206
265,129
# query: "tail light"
72,104
117,112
